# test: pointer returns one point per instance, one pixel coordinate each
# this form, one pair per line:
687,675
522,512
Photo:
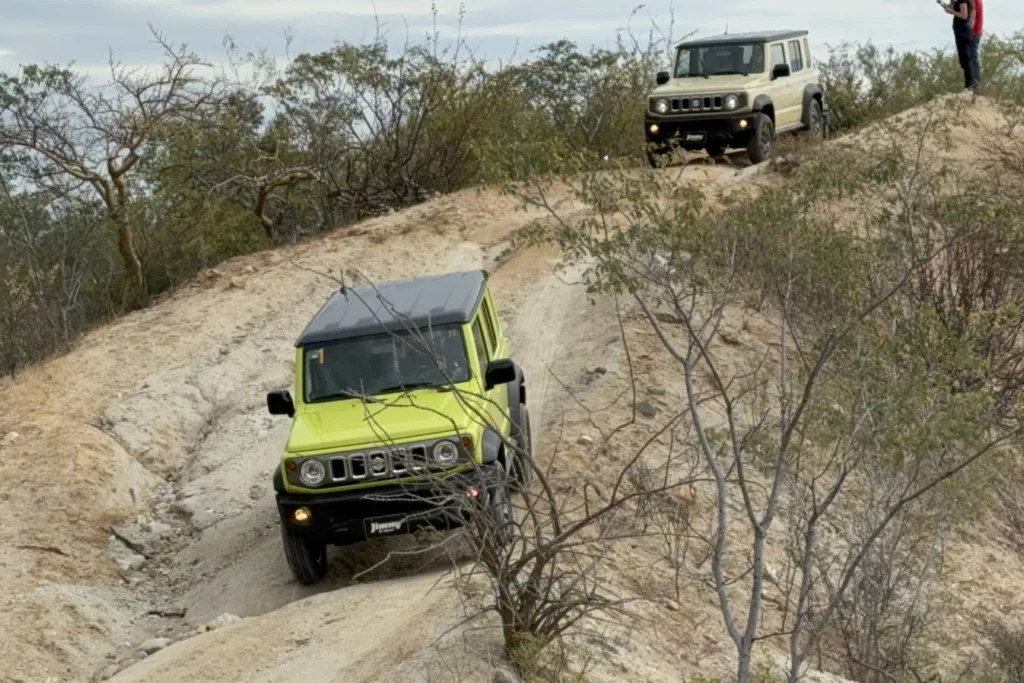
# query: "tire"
306,559
522,471
500,510
815,121
715,150
654,158
761,140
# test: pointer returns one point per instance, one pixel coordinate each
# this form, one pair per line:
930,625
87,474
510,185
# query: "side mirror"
500,371
280,403
662,77
780,71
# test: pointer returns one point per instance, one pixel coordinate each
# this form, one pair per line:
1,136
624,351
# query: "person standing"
964,18
974,46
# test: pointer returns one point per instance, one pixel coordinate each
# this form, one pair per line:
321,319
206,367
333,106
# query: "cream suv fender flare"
812,91
762,103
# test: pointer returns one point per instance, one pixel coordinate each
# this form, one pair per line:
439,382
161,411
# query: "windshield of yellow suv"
385,363
717,60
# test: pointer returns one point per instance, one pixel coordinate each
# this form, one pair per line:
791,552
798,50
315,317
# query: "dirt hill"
137,476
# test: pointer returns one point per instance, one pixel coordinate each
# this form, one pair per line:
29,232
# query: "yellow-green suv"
735,90
406,407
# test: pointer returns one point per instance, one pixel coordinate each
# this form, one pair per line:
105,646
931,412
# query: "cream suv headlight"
732,102
661,106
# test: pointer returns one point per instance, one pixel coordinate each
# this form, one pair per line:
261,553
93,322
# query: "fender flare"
762,102
491,446
278,479
811,91
517,397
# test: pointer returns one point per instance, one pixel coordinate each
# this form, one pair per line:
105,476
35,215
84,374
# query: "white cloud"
277,10
544,29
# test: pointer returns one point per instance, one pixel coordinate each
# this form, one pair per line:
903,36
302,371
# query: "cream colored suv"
735,90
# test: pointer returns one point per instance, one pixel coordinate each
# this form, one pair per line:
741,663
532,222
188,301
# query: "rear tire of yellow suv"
306,558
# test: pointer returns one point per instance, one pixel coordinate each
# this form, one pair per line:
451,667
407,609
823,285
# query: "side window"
796,58
488,316
778,55
478,341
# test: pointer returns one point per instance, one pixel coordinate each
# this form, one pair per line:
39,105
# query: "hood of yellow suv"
709,86
351,423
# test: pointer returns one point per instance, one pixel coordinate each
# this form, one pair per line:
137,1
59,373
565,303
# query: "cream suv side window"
778,55
796,58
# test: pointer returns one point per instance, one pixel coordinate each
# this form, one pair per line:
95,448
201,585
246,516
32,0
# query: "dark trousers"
967,47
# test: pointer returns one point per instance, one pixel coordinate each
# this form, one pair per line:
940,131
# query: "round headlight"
731,102
312,472
661,106
445,453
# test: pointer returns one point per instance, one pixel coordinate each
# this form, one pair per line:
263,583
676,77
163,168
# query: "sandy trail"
157,424
243,570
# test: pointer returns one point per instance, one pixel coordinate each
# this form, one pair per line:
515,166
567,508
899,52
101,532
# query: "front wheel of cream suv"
759,148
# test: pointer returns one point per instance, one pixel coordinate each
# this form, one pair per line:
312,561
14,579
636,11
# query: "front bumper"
695,132
353,516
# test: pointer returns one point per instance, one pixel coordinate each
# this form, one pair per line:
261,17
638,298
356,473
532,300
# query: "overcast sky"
34,31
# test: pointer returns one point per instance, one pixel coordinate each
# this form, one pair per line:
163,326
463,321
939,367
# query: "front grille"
692,104
382,463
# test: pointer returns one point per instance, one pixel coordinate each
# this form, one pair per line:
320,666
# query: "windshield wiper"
344,393
731,73
405,387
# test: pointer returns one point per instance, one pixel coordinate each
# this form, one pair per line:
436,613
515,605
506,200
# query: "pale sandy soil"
156,423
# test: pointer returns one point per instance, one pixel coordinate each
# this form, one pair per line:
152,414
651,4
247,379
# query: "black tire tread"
307,561
763,127
522,473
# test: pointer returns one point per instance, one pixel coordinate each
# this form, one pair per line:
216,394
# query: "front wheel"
715,150
501,512
522,434
307,559
761,140
656,158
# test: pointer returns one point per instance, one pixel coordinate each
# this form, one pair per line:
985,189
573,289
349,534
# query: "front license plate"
695,137
384,526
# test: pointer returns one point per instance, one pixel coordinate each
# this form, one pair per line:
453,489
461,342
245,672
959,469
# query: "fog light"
302,515
743,123
654,128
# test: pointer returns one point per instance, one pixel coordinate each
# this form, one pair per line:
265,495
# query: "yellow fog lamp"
302,515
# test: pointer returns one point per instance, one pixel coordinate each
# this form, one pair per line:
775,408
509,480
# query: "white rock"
10,439
133,562
154,645
222,621
585,441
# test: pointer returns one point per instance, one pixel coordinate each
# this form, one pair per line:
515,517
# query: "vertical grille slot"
718,101
358,465
418,457
399,461
707,103
338,472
